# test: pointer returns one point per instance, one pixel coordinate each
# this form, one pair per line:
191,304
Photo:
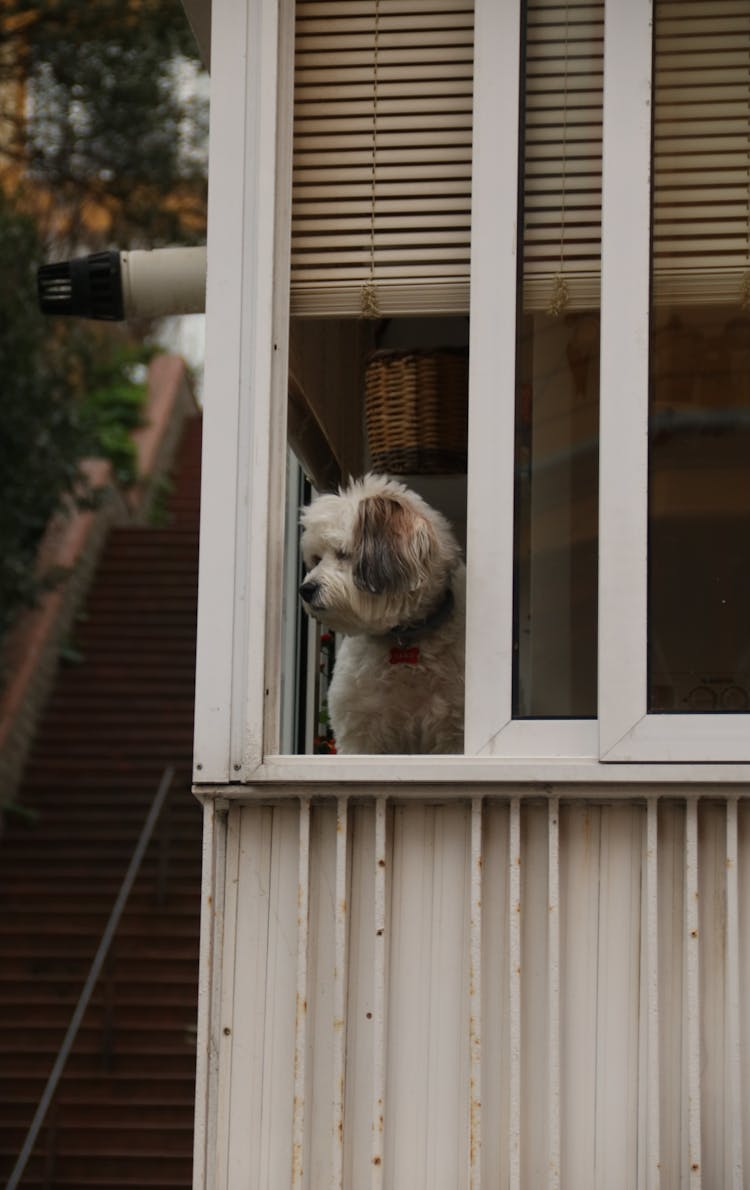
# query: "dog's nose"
308,591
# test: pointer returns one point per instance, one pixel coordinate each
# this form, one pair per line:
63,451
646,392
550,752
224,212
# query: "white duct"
163,281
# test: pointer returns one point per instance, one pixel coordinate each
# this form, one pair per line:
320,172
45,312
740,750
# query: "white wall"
553,999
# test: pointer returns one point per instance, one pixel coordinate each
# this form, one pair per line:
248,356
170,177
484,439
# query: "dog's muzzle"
308,591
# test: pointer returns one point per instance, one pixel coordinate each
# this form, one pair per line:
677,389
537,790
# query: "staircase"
121,711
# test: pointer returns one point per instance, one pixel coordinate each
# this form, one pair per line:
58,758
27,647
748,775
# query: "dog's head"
376,555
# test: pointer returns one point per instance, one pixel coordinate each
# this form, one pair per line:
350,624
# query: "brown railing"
95,971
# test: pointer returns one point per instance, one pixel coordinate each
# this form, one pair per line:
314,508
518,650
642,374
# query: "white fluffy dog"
384,570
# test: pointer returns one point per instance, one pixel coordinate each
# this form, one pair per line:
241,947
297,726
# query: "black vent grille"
89,286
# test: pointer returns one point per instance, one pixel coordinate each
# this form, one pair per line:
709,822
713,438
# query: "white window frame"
627,731
242,537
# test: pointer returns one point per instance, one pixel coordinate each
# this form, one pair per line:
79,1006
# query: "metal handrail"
114,920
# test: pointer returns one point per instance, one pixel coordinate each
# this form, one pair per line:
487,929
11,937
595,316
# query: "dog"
384,570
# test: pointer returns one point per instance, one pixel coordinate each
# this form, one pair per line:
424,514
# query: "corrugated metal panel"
501,991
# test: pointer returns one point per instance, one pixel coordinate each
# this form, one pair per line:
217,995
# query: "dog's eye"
343,556
315,561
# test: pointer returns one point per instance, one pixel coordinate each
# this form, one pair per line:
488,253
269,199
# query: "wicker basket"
416,411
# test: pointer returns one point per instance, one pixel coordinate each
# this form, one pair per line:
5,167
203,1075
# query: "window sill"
448,777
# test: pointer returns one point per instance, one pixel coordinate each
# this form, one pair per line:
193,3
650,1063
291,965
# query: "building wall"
511,990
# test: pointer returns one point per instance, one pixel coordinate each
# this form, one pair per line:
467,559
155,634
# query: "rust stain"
381,863
377,1160
297,1167
474,1141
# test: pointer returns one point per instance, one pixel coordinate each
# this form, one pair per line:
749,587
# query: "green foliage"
110,121
112,407
41,434
70,390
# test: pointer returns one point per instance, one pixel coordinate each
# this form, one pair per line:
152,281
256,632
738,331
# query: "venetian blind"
562,132
701,179
701,166
382,156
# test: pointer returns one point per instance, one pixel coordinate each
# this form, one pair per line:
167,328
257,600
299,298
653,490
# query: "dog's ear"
392,546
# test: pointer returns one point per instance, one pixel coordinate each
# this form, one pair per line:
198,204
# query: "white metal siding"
498,992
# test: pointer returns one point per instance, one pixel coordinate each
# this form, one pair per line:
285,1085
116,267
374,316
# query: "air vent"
89,286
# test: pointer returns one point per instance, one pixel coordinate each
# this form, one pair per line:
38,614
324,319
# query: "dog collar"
404,636
404,655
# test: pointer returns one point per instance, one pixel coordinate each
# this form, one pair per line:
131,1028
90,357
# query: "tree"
41,441
100,127
99,144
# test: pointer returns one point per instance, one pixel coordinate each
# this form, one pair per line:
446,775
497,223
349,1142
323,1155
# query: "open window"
380,245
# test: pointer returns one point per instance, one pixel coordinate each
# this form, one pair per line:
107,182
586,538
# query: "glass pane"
557,411
699,481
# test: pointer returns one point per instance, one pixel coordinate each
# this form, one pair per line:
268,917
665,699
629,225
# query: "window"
379,221
673,646
607,486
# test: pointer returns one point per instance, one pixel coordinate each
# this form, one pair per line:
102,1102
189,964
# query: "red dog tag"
404,655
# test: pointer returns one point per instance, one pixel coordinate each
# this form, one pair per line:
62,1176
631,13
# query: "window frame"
242,527
627,731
